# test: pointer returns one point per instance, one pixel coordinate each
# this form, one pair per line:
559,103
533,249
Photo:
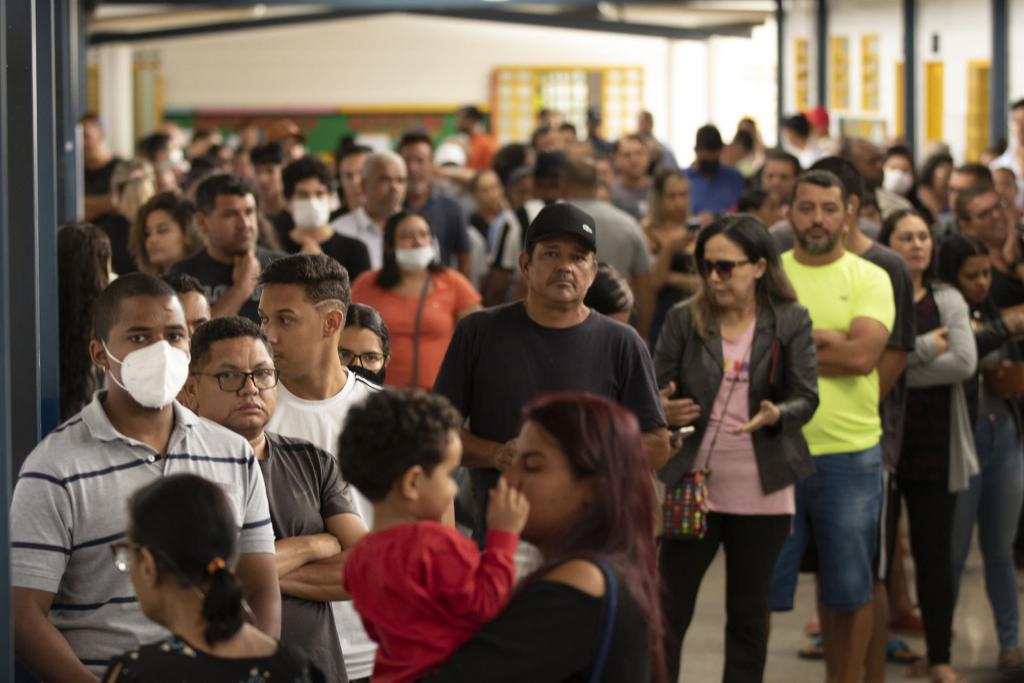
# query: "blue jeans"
838,506
993,500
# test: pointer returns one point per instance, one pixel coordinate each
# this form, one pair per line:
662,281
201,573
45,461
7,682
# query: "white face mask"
414,259
152,375
897,181
310,214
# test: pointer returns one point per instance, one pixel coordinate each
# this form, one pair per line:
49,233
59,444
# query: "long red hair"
602,442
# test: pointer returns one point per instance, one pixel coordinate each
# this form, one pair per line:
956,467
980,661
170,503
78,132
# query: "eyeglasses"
234,380
722,267
365,359
122,552
986,214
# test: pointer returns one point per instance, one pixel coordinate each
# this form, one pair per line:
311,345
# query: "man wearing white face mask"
306,192
72,611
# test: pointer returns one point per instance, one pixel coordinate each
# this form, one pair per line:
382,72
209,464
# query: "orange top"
450,295
482,148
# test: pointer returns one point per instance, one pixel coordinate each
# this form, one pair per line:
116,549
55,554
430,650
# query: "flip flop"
898,652
907,623
815,651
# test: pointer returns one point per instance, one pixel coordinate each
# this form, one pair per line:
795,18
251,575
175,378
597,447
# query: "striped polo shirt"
70,505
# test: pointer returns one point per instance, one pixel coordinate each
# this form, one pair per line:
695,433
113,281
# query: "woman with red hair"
592,611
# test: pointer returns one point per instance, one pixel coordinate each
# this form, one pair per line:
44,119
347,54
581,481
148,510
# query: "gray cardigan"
695,364
926,367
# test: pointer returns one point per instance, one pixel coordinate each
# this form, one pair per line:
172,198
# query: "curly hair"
393,431
83,266
181,211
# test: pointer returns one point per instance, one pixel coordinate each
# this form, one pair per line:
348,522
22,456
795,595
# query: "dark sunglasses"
722,267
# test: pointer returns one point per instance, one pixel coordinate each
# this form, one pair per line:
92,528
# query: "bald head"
384,182
866,158
580,179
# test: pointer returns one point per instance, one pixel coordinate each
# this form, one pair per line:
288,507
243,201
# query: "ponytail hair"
222,608
187,523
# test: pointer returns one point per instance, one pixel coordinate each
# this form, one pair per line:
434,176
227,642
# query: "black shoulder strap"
611,610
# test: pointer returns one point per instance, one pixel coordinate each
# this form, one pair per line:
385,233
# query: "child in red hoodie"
420,586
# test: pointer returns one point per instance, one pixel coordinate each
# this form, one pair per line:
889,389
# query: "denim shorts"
837,507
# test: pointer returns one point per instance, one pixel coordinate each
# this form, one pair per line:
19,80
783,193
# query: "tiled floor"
974,646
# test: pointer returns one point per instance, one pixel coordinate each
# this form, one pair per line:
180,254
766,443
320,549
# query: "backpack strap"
611,610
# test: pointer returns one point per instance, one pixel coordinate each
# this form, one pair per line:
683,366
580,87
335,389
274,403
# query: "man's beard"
816,248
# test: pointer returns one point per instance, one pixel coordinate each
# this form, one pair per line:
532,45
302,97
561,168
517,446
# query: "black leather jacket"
695,363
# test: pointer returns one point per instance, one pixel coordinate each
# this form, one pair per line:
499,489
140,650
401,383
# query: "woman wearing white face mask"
306,184
900,178
419,299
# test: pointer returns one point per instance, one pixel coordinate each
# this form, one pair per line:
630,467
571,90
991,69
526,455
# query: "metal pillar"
31,190
70,92
780,73
999,97
910,74
6,481
821,32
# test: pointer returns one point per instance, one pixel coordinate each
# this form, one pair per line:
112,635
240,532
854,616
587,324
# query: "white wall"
964,33
400,59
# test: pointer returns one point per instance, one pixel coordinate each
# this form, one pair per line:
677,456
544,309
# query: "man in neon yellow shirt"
852,307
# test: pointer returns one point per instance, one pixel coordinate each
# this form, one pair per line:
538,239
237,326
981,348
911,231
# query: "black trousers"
930,511
752,544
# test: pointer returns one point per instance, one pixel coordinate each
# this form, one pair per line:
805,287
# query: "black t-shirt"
552,632
1006,290
118,230
348,251
304,489
173,660
902,338
97,180
499,359
216,277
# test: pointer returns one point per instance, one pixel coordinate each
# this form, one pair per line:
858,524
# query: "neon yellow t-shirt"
847,417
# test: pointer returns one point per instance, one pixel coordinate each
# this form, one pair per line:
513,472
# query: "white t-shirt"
321,423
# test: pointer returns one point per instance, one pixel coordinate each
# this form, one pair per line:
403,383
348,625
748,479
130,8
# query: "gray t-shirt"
632,200
903,335
305,489
620,241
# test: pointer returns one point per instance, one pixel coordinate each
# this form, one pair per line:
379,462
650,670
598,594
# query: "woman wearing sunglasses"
180,543
736,361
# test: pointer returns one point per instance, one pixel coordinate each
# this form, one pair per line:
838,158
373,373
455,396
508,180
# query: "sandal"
815,651
907,623
1010,660
812,629
944,673
898,652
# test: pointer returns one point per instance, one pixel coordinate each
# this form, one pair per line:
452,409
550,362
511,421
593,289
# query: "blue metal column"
70,52
780,76
31,190
6,481
821,31
910,74
999,90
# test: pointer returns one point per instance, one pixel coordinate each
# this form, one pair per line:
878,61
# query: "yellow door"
933,76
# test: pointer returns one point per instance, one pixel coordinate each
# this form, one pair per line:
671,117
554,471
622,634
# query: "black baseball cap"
709,138
562,218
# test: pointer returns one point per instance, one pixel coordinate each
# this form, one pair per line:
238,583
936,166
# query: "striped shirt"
70,505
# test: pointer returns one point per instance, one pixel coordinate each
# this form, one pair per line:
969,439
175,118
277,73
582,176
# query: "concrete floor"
975,648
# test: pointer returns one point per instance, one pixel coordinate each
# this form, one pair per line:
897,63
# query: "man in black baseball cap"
502,357
714,187
562,218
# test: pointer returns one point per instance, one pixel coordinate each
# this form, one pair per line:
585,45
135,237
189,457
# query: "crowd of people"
463,412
